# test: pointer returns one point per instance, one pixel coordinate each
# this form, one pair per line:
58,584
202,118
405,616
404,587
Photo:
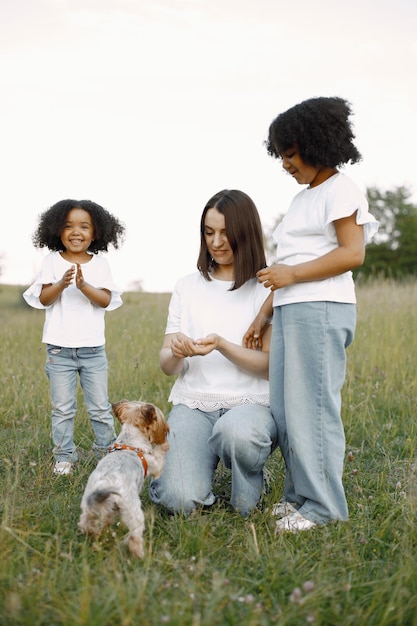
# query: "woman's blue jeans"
242,437
307,372
63,365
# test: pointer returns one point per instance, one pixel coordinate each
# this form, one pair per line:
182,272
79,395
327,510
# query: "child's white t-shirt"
307,233
73,321
197,308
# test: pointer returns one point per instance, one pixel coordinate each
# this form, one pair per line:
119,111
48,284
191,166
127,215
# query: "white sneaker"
282,509
62,468
293,522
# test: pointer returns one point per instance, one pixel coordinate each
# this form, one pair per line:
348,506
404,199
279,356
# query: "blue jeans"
242,437
62,367
307,372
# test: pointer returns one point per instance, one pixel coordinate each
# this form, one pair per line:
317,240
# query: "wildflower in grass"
309,586
296,596
248,599
13,603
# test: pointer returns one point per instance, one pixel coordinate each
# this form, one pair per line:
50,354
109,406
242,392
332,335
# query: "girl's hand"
79,278
68,277
276,276
349,254
99,297
51,292
253,338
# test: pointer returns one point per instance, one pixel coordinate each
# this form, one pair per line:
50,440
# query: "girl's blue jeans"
307,372
63,366
242,437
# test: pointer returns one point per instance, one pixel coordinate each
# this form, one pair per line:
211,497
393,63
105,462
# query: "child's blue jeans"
63,365
307,368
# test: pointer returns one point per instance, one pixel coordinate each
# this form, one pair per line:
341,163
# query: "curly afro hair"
319,128
107,228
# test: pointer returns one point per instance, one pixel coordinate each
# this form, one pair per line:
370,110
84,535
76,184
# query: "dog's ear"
118,410
149,413
160,432
156,424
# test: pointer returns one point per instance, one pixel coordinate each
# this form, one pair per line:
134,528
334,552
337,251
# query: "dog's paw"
135,544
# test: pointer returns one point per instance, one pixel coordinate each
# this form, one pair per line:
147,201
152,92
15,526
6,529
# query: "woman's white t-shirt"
199,307
73,321
307,233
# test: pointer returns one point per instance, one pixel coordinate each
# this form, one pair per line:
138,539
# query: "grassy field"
213,568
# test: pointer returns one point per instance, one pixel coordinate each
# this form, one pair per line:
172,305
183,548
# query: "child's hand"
79,278
252,339
67,278
276,276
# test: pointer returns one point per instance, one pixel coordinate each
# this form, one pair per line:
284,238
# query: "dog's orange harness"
122,446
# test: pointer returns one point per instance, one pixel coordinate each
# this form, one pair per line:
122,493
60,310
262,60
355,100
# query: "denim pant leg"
308,362
243,437
61,369
186,480
92,364
276,391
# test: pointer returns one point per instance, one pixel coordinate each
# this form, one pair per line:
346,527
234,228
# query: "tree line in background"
393,251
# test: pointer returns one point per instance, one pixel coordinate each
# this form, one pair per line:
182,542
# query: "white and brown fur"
115,484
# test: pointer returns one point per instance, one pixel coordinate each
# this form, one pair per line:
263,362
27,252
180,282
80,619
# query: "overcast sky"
150,107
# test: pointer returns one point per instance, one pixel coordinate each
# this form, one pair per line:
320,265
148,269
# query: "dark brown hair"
244,234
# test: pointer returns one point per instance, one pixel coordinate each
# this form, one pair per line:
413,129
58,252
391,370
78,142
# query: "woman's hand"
207,344
182,346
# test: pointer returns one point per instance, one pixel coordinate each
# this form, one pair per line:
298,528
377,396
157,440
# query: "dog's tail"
98,511
101,496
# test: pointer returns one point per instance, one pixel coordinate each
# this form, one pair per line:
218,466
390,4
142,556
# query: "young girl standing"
75,287
320,240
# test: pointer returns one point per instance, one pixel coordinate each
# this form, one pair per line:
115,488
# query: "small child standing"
75,287
320,240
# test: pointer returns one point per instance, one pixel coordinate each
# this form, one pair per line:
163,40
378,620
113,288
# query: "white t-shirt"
307,233
72,321
199,307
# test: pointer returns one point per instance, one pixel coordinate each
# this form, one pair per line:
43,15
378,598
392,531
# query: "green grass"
213,568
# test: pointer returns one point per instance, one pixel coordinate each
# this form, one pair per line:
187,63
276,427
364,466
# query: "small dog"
114,486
